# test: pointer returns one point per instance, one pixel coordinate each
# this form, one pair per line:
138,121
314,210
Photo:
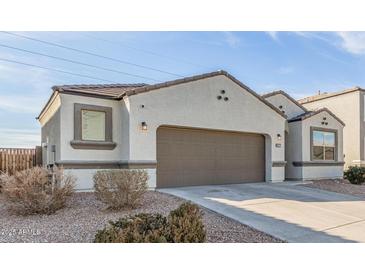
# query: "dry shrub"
186,224
120,188
141,228
37,190
183,225
3,177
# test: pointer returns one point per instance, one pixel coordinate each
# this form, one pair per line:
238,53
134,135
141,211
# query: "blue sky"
301,63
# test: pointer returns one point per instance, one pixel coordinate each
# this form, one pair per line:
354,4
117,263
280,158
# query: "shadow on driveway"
290,212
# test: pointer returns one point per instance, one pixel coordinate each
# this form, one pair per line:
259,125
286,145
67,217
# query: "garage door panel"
188,157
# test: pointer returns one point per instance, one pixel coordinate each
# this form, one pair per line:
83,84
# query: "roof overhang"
310,114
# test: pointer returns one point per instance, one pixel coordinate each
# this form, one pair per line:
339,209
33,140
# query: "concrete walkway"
285,210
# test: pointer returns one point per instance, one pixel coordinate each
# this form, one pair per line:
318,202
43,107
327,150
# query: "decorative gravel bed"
339,186
84,215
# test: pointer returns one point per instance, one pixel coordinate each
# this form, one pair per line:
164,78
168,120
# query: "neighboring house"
313,146
348,105
205,129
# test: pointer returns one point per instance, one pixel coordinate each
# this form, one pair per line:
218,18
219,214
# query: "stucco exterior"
349,107
51,132
285,104
195,102
195,105
300,166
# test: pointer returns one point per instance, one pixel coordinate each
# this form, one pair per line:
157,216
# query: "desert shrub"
3,177
355,174
186,224
182,225
120,188
141,228
37,190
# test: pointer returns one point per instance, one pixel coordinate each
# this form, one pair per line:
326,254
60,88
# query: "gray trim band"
107,164
278,163
99,145
318,163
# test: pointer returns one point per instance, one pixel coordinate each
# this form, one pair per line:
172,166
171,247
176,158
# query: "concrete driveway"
285,210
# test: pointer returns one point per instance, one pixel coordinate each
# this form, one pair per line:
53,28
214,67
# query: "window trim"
335,131
78,142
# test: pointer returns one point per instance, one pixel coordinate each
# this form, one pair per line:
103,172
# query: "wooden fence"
16,159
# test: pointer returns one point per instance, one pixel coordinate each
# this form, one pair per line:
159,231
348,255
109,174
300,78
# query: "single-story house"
205,129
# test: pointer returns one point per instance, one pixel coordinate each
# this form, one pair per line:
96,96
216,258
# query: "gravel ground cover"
339,186
84,215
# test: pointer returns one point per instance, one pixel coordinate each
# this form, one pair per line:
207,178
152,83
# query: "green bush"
182,225
186,224
120,188
355,174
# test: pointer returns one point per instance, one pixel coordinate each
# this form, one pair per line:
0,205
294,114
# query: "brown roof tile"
118,91
110,91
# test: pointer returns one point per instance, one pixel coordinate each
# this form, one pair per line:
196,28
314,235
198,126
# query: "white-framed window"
93,125
323,145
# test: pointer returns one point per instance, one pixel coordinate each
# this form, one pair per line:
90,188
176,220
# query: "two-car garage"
188,157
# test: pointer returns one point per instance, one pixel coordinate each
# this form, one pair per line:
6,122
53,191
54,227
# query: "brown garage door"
187,157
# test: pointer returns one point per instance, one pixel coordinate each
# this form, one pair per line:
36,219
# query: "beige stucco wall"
51,131
293,151
290,108
299,148
120,127
348,108
195,104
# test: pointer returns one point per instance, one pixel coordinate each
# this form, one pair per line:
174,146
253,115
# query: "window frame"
78,108
335,131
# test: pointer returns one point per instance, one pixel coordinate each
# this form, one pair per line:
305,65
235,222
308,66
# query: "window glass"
329,153
329,139
317,153
323,145
93,125
318,138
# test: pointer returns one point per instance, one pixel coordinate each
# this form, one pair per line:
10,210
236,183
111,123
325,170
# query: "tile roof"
327,95
113,91
309,114
118,91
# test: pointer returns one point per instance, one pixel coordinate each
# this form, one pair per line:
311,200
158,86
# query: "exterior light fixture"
144,126
279,136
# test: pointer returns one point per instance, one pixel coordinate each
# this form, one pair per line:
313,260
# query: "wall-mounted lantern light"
279,136
144,126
